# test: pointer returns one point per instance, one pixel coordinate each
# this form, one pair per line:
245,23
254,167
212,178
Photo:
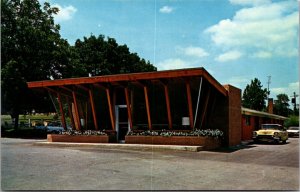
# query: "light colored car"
40,126
52,127
271,133
293,131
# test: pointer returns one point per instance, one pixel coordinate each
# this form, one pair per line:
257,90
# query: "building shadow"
233,148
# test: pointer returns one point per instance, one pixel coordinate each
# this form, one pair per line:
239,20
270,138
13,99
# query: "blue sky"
235,40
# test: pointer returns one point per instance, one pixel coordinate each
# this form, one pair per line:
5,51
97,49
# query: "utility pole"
294,101
269,82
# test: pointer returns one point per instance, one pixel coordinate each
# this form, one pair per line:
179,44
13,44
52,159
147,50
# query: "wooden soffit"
132,77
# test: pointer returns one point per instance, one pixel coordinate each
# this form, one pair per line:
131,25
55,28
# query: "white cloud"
249,2
166,9
229,56
65,13
262,54
289,90
266,29
239,81
193,51
173,64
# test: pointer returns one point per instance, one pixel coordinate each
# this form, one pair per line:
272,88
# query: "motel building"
172,100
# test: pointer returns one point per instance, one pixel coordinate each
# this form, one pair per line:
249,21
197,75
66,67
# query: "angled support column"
93,109
63,120
128,107
70,113
92,105
147,107
205,108
190,105
76,111
112,119
198,101
168,106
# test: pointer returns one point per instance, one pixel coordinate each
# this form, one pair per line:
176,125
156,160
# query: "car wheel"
284,142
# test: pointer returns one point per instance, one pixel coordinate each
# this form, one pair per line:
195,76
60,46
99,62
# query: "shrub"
167,133
86,132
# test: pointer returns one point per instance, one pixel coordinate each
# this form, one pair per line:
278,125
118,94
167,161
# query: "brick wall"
234,131
228,116
270,105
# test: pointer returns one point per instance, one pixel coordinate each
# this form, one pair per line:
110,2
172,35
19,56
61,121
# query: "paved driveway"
255,167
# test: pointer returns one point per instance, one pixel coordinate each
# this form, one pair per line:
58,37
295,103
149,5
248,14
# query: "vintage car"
52,127
293,131
271,133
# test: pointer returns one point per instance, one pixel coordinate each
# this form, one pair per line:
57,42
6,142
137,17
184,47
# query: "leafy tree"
101,56
31,50
293,120
281,106
254,95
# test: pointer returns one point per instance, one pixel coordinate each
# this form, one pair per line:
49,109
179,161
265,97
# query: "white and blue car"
52,127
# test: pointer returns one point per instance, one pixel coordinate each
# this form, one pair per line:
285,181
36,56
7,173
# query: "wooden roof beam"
56,91
145,76
82,87
71,90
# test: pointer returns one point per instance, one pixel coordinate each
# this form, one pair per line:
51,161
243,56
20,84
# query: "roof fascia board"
132,77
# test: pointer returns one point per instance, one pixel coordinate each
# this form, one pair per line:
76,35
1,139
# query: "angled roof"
131,77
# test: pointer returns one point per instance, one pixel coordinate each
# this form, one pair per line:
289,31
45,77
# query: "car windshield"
294,128
271,126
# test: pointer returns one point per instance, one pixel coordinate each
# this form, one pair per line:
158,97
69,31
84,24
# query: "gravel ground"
25,166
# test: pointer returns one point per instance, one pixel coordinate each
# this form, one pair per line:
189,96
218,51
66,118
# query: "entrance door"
122,123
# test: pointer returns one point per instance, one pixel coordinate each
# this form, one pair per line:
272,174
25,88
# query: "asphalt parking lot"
25,166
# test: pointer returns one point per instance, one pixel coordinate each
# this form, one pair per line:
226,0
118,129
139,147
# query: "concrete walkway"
125,146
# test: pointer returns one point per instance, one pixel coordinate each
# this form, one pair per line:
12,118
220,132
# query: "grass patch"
25,118
25,133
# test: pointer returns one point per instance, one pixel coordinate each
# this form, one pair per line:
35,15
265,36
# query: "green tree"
293,120
31,50
103,56
281,106
254,95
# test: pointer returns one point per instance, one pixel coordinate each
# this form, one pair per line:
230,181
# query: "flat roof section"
247,111
131,77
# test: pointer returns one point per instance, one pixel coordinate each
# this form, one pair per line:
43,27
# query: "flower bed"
216,133
206,142
78,138
88,136
209,139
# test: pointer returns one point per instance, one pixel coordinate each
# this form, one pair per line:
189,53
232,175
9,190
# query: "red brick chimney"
270,105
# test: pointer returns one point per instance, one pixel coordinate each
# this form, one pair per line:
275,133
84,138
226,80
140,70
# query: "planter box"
207,142
78,138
